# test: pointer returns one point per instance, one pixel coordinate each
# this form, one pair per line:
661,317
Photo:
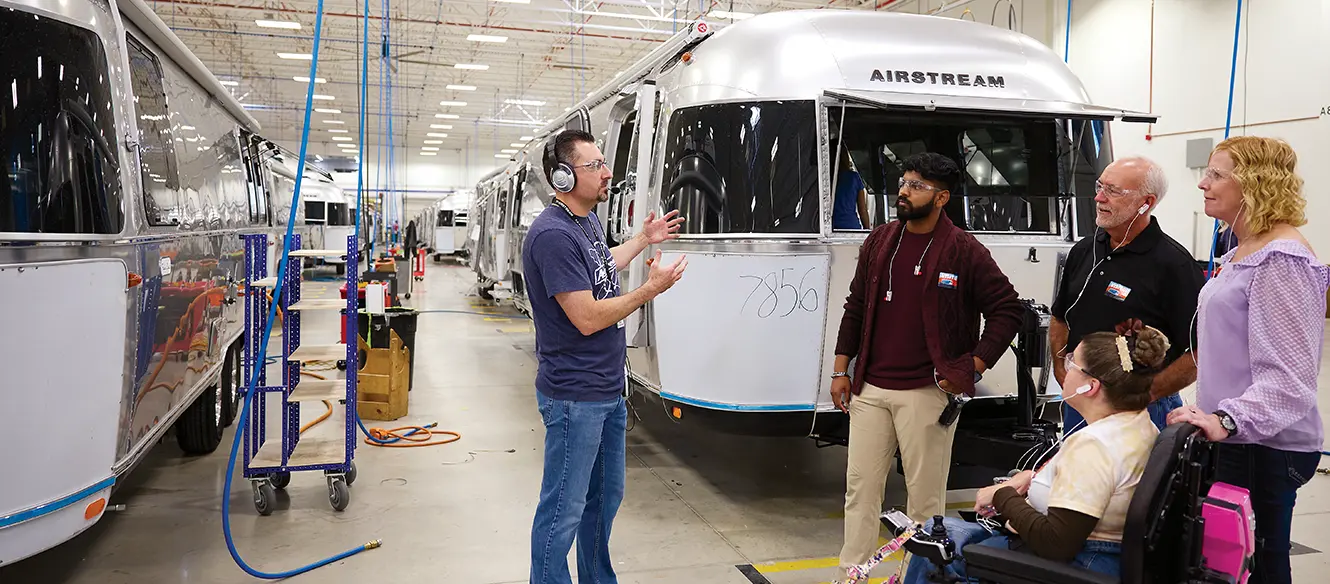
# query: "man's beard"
907,212
1115,219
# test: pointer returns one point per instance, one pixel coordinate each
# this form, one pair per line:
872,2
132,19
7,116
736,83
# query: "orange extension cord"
421,436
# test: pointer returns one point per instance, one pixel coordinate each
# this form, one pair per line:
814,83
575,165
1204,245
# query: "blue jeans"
1159,409
1273,478
585,447
1103,557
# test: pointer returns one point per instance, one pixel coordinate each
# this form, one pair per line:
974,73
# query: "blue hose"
263,348
1228,124
1066,48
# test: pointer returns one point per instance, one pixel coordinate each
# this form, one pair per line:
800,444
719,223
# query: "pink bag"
1230,531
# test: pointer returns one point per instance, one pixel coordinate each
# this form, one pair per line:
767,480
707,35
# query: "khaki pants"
880,421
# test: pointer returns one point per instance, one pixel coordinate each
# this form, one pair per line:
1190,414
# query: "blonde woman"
1260,327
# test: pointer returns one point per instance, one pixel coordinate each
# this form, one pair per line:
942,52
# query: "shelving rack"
269,461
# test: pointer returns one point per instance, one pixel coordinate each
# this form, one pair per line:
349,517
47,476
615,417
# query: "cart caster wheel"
264,497
351,475
280,480
339,495
408,295
341,364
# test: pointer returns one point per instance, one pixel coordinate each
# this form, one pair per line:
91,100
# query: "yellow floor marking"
816,563
498,319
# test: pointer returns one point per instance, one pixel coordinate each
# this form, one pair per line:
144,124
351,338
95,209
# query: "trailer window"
1018,174
743,168
157,160
59,171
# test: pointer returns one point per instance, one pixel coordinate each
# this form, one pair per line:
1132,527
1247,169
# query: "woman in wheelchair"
1073,509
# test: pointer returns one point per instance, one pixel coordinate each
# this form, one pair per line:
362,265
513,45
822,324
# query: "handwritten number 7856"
781,293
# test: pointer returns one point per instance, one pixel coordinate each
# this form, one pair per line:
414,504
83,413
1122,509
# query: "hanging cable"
1228,125
263,344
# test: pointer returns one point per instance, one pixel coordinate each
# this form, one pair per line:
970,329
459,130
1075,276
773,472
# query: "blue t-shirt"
845,209
559,257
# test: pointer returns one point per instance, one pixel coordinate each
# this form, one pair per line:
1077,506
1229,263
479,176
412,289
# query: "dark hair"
1126,390
935,167
565,143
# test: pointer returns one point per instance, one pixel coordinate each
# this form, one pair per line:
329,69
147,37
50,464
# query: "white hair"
1155,181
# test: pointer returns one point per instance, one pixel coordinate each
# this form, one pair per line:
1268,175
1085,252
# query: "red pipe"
884,3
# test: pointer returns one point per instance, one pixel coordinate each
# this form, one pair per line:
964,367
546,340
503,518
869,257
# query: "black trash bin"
397,319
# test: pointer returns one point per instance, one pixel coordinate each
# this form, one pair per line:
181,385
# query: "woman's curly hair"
1265,168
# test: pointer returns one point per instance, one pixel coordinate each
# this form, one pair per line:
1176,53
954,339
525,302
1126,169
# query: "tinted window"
157,163
58,166
743,168
1017,174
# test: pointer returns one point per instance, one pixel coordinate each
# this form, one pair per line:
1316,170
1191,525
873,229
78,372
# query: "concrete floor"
700,508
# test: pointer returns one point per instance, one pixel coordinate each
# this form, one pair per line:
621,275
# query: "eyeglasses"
1215,175
1071,364
592,166
1112,190
915,185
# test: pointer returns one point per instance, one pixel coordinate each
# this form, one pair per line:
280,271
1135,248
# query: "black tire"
341,269
485,293
351,475
339,495
264,498
199,429
230,388
280,480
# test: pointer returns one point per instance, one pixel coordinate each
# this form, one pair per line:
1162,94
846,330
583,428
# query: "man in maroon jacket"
912,318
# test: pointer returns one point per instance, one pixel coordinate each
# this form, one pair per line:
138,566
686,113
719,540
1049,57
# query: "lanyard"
609,271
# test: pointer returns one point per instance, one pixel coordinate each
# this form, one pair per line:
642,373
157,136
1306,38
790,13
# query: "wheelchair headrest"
1145,535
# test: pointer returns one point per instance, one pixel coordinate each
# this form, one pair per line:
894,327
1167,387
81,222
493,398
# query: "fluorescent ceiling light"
472,66
429,153
486,38
437,135
333,122
278,24
324,97
341,139
447,116
730,15
504,156
324,110
430,148
337,131
517,144
188,128
296,56
306,79
530,102
526,138
509,151
231,83
440,126
448,103
433,141
462,87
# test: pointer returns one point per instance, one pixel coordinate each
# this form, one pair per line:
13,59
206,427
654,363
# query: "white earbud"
1144,207
1084,389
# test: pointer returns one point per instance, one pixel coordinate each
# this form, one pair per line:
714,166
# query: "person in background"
1129,269
851,201
913,319
1074,508
1260,331
573,284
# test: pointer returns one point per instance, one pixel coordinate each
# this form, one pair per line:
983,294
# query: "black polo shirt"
1152,278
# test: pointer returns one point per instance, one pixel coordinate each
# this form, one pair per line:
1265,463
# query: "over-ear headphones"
561,176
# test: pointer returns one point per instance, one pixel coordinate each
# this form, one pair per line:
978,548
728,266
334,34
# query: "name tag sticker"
946,280
1117,291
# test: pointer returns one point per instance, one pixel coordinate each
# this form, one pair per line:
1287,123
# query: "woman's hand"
983,501
1207,423
1021,482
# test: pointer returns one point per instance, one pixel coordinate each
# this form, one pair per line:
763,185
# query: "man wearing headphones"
572,282
1129,269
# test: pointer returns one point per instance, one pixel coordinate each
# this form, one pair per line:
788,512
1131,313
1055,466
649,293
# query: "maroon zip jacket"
951,314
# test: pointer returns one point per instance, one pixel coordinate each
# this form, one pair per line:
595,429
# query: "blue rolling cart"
270,460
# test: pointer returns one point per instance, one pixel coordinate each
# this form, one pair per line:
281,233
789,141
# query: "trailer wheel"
199,429
230,388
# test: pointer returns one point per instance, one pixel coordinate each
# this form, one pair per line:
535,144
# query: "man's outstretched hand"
659,230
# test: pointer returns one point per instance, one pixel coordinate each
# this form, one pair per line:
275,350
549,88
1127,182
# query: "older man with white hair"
1129,269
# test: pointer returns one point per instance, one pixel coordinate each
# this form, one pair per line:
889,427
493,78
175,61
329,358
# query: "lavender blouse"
1259,335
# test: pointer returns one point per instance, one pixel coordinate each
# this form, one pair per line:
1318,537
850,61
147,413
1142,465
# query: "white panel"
63,365
444,240
743,331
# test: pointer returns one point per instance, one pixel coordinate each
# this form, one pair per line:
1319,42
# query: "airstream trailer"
751,158
129,173
328,216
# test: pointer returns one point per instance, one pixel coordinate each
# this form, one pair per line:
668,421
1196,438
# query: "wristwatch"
835,374
1227,422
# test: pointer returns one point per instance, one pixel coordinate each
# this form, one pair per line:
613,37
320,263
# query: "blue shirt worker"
572,280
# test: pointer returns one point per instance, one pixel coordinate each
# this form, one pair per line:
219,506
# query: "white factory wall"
1280,89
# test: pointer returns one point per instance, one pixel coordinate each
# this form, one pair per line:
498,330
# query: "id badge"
1117,291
